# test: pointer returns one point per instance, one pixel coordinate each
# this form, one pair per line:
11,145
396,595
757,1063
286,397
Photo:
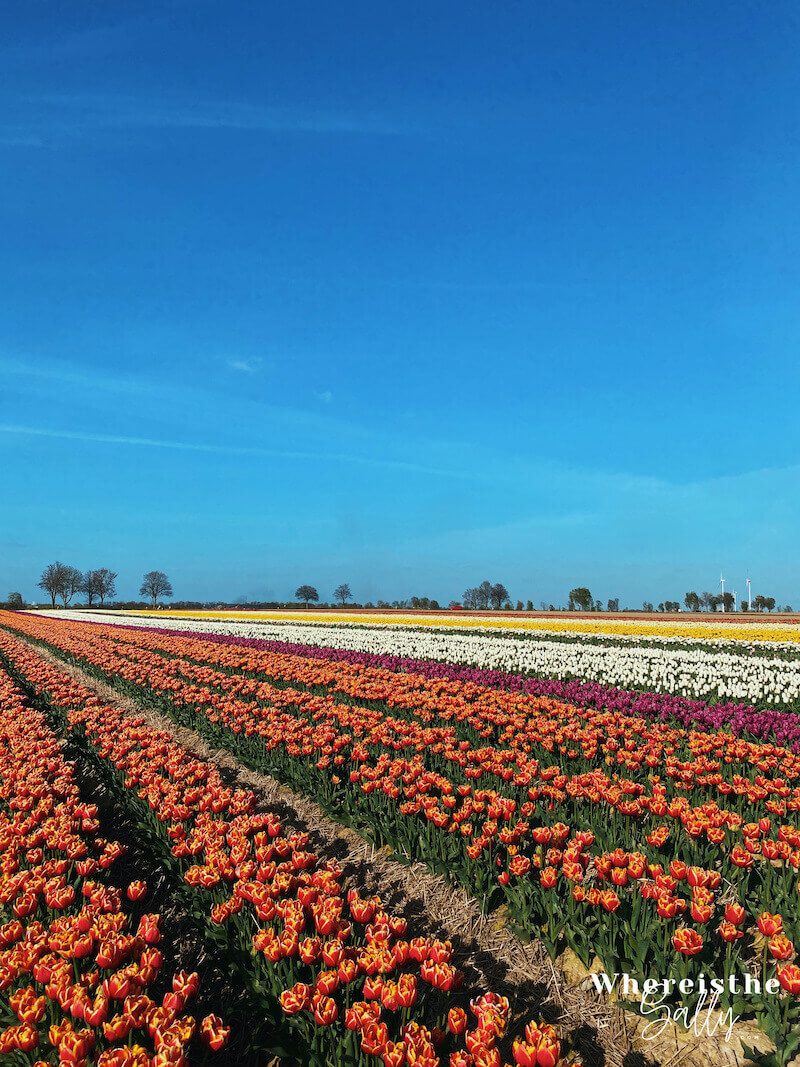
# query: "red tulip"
324,1010
769,925
730,933
457,1021
781,948
214,1032
687,941
789,978
734,913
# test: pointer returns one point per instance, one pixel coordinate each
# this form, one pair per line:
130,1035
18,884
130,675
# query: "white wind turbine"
722,590
749,597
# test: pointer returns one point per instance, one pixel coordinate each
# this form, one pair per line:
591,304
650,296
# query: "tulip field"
628,800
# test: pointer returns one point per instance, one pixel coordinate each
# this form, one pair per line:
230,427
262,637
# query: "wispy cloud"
118,439
41,377
254,451
64,373
244,366
46,119
187,398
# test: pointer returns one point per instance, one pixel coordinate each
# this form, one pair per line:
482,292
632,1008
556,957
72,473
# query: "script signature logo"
704,1019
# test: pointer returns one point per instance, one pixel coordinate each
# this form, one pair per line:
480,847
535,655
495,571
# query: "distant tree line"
714,601
581,599
308,594
480,598
416,603
765,603
63,581
487,594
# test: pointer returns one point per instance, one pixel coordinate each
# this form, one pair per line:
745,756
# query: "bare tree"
15,601
155,584
484,595
99,583
498,595
59,579
307,593
342,593
72,583
52,580
471,599
106,583
90,586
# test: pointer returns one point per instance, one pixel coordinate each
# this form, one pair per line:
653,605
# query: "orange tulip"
687,941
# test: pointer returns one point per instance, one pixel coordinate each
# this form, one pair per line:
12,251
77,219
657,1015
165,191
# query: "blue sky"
403,295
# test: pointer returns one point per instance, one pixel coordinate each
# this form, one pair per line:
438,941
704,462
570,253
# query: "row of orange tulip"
347,976
76,970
